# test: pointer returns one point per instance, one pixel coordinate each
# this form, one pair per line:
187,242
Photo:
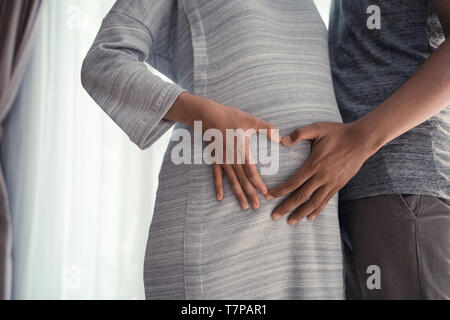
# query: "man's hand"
338,153
339,150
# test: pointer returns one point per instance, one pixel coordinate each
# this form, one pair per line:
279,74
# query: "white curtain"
324,8
81,193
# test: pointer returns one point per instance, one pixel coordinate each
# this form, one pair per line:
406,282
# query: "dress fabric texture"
268,58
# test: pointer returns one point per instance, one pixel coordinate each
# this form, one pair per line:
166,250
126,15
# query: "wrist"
187,109
372,139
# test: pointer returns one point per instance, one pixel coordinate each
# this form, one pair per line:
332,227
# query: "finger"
295,200
253,176
247,185
299,178
316,212
314,203
218,180
236,186
270,130
309,132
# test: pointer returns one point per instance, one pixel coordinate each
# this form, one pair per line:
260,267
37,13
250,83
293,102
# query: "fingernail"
275,136
244,206
286,141
219,197
276,217
255,205
292,222
312,218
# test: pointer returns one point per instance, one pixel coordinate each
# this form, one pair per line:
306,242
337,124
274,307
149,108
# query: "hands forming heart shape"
338,153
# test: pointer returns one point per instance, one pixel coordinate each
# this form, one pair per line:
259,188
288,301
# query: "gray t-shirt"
371,58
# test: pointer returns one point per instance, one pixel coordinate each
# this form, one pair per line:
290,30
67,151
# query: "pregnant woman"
235,64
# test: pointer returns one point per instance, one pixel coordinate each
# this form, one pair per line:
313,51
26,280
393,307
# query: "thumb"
310,132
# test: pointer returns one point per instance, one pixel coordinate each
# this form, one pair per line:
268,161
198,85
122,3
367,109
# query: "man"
392,154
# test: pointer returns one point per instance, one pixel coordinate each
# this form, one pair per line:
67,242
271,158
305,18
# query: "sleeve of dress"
116,76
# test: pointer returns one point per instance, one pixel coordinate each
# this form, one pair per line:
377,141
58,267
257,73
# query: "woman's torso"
267,58
270,59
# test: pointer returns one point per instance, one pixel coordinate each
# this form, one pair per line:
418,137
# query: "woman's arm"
144,105
340,150
114,72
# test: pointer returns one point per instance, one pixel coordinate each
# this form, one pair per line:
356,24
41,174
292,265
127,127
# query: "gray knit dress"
266,57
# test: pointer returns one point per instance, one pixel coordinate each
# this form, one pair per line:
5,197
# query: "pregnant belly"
287,108
286,98
222,239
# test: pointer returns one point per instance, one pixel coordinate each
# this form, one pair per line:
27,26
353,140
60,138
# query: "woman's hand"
338,153
239,167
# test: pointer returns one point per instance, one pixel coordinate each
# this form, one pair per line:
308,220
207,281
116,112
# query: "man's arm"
425,94
340,150
442,8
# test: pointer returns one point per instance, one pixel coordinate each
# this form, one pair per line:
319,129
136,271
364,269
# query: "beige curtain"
17,25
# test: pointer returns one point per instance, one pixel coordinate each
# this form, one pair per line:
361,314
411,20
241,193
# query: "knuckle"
252,175
322,206
283,209
315,165
314,203
234,184
290,186
333,179
251,191
296,216
324,173
300,197
248,187
290,204
275,193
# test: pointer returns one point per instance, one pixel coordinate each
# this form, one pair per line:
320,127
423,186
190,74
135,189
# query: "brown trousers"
406,238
